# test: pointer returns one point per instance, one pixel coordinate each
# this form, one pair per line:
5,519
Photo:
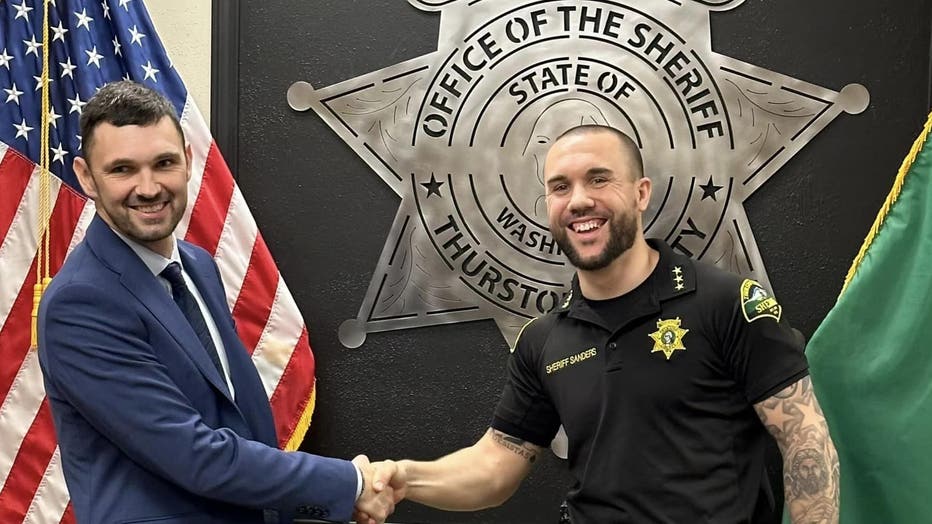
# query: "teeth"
582,227
150,208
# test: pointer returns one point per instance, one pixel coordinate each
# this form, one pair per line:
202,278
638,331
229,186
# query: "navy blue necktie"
188,306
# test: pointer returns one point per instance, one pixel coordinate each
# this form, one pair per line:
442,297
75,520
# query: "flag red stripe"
294,390
254,303
64,220
68,516
15,171
32,459
213,201
38,446
16,334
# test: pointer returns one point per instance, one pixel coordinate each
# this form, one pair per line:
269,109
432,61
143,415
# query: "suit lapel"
138,280
253,402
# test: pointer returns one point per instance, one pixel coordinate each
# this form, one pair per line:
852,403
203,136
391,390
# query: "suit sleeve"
96,351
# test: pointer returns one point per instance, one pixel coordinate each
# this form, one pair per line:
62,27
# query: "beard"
140,230
623,229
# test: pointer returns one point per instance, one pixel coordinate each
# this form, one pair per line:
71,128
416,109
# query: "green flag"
871,359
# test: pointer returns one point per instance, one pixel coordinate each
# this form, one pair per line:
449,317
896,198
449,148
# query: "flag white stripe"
51,499
279,338
198,136
87,214
21,243
19,410
235,246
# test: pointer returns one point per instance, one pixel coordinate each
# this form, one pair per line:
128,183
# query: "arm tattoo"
810,463
516,445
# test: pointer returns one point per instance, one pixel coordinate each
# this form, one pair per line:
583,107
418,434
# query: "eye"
559,188
165,163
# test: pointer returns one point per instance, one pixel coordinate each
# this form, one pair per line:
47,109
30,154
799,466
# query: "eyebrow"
158,158
590,173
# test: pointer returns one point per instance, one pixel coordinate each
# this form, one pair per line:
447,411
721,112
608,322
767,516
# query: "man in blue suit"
159,411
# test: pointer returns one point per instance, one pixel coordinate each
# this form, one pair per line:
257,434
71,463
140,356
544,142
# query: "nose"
580,199
147,186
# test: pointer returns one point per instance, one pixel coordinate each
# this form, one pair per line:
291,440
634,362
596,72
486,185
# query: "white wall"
184,27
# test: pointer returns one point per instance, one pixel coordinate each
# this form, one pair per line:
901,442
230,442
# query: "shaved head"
628,147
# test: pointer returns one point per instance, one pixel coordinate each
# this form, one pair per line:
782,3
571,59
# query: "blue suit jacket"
146,426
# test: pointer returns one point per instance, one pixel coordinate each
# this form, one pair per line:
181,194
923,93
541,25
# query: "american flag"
91,43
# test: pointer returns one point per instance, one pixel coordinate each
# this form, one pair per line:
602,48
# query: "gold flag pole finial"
42,254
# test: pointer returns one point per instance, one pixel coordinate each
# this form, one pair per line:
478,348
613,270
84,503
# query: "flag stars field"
83,19
22,11
22,130
60,154
93,57
38,80
32,47
136,36
13,94
59,31
150,71
67,69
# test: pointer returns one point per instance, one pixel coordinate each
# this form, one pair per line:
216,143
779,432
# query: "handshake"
384,485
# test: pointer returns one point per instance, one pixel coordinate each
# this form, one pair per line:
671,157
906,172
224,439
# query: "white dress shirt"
156,264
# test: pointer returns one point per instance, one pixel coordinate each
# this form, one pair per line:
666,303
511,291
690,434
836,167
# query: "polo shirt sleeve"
763,352
525,409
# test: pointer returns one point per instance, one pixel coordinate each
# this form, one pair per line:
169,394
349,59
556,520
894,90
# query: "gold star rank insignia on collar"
668,337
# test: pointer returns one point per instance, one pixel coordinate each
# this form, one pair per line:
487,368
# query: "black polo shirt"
657,403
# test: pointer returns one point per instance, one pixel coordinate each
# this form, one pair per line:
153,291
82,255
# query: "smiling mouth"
588,225
150,208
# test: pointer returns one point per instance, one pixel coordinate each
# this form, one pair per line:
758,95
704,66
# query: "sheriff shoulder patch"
756,302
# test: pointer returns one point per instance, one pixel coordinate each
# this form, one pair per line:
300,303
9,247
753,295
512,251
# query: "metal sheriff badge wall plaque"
460,135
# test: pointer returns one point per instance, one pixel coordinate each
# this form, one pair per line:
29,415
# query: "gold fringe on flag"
42,255
891,199
300,430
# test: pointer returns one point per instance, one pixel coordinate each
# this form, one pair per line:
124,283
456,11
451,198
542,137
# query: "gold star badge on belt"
668,337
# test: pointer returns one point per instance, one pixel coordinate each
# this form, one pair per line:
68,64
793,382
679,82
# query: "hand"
377,500
387,481
393,475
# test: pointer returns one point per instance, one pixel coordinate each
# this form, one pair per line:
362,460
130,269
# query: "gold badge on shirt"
668,337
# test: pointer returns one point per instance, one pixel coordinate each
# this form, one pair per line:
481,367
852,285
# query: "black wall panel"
425,392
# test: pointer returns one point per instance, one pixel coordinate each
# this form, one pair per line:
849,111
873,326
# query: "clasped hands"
384,485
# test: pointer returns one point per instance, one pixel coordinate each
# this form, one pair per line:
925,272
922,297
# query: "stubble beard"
139,231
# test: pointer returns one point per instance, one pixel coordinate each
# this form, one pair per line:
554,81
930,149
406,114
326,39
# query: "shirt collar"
154,261
673,276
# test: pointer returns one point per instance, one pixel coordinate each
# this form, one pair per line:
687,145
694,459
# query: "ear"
188,155
83,171
644,187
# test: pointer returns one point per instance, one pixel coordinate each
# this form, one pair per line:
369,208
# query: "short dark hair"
124,103
628,145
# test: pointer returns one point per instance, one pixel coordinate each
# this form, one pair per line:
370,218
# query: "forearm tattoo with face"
810,463
518,446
